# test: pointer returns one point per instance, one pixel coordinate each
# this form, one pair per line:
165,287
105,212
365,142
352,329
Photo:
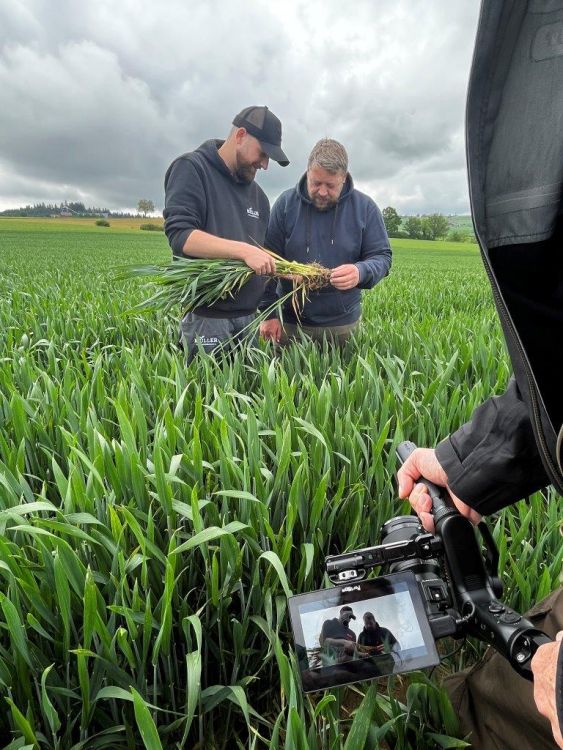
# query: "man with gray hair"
324,219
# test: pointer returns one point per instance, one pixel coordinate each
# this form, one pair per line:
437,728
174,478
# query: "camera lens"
401,529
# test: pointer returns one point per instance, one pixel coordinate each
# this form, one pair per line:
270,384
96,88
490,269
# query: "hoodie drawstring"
333,225
308,227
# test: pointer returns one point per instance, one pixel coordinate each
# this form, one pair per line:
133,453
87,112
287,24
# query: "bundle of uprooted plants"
197,282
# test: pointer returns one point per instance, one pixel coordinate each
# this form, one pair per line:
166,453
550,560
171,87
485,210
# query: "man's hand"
544,667
348,646
271,330
422,462
345,277
261,263
371,649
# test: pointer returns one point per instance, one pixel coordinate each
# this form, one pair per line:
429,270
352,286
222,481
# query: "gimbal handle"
442,506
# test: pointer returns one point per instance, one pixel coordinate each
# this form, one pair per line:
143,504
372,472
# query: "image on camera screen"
361,631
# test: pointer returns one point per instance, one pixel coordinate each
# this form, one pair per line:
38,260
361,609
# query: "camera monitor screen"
360,631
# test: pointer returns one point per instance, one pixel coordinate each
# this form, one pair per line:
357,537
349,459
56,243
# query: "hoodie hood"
209,150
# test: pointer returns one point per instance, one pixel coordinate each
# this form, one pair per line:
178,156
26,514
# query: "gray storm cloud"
99,97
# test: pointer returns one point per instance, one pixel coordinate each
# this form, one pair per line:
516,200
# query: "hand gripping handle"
441,502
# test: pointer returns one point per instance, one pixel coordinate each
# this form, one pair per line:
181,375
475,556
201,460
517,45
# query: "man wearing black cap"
337,640
214,209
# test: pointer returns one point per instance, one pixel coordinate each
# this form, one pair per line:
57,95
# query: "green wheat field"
155,517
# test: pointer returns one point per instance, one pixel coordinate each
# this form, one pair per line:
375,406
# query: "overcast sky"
99,96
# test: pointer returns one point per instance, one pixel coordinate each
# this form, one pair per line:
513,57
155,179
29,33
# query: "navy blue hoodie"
201,193
351,232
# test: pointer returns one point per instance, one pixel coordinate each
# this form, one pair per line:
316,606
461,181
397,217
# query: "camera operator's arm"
491,461
547,666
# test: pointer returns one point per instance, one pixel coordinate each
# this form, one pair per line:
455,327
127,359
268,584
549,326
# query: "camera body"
460,588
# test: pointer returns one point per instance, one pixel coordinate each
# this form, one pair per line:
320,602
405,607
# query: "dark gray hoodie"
202,193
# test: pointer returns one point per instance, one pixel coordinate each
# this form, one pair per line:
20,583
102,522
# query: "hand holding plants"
259,261
345,277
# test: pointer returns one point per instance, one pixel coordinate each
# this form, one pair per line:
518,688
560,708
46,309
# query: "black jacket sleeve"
185,203
492,461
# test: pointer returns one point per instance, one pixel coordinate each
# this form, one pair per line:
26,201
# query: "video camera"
439,585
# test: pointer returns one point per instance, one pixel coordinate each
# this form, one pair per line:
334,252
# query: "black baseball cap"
348,609
265,126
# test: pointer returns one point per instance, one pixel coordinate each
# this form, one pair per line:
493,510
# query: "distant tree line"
430,227
74,208
48,209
